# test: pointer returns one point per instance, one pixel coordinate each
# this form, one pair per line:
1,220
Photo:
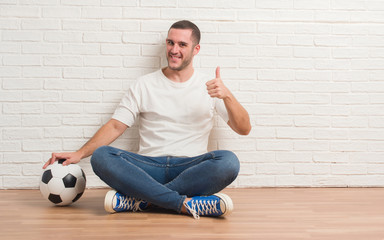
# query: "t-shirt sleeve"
128,109
221,109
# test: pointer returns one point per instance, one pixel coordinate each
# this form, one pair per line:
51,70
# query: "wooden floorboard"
260,213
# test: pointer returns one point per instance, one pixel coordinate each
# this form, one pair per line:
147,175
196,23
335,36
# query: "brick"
105,37
237,27
348,169
295,15
85,25
142,38
314,4
63,37
42,72
275,51
170,13
118,3
49,145
18,108
82,96
84,72
10,47
63,84
63,61
82,121
274,169
258,39
82,2
144,62
346,146
10,170
22,36
10,146
21,182
275,98
141,13
277,4
21,60
294,157
350,99
312,169
333,134
20,11
308,52
303,98
63,108
103,61
295,40
9,24
41,48
294,133
82,49
350,53
311,145
119,25
10,96
63,132
276,145
309,121
297,181
61,12
43,96
41,24
21,158
104,12
24,133
10,120
40,121
330,157
350,122
256,15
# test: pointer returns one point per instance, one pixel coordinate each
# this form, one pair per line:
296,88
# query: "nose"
175,48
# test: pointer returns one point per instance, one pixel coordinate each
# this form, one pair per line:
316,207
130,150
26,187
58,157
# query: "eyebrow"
181,42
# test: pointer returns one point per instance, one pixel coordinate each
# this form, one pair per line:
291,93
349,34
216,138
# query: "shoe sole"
228,203
108,201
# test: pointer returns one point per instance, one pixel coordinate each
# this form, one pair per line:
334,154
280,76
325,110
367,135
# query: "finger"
218,72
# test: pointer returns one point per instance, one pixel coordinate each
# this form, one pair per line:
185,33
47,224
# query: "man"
172,169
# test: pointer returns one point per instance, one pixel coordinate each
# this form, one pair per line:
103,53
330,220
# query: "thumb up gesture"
216,87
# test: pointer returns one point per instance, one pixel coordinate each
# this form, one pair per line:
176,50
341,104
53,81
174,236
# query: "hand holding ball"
62,185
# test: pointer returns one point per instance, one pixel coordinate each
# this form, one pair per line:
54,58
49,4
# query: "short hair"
185,24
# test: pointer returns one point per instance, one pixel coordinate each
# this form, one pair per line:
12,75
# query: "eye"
169,42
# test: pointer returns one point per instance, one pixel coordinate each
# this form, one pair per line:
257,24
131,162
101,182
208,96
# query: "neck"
178,76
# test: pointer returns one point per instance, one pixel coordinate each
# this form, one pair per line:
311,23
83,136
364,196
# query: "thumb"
218,72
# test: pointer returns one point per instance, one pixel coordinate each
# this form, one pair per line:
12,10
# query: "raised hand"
216,87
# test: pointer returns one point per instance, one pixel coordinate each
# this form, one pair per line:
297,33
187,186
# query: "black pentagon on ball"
77,197
69,181
56,199
47,175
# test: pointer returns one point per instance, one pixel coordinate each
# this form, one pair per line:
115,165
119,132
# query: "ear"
196,49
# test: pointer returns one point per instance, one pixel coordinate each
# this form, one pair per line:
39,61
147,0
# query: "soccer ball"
62,185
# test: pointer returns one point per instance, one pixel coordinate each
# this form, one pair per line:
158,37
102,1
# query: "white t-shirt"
175,118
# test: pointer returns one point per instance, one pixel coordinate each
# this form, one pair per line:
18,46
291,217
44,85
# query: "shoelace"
129,203
201,207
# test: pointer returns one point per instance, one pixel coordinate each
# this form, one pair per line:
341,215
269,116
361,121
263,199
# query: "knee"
230,162
99,156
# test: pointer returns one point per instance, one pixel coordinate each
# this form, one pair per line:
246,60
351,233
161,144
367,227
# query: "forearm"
238,117
104,136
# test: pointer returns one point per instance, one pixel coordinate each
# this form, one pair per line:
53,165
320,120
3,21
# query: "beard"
184,63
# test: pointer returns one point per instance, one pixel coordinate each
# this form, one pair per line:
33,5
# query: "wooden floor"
261,213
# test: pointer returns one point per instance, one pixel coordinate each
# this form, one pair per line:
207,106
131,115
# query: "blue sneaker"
217,205
118,202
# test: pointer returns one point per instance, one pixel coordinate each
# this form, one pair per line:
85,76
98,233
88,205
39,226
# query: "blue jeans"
165,181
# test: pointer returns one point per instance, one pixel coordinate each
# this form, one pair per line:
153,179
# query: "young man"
172,169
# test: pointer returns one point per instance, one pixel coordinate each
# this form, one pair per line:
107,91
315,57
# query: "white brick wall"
310,73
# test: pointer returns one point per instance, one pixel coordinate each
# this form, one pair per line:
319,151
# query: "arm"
238,116
104,136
